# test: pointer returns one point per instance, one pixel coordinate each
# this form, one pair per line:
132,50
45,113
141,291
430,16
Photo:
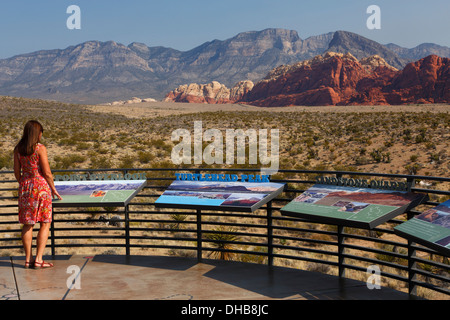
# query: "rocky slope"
341,79
97,72
419,52
423,81
212,93
361,47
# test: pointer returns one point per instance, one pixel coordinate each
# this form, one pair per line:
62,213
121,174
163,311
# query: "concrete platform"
108,277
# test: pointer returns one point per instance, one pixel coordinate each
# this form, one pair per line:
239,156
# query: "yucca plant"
221,240
178,218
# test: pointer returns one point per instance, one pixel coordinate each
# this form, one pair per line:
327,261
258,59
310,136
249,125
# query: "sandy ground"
155,109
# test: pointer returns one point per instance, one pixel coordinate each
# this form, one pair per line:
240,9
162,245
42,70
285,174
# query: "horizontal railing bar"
292,229
160,238
12,247
164,230
429,274
332,263
316,241
375,261
424,249
90,245
10,239
88,229
382,273
432,263
155,246
431,287
352,173
305,249
87,237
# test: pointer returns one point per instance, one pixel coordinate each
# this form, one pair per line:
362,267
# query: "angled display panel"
117,193
349,206
431,228
215,195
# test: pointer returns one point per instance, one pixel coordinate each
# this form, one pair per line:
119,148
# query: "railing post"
199,235
410,182
412,287
269,234
52,233
127,231
341,249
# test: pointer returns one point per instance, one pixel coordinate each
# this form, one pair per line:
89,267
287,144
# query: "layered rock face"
212,93
331,79
423,81
340,79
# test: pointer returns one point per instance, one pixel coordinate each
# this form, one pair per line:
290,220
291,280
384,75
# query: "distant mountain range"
97,72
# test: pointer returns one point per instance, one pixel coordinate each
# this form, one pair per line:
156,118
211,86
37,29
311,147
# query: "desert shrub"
126,161
69,161
101,162
6,161
80,146
145,157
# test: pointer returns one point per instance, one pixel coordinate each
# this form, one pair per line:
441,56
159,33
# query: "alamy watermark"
374,280
374,21
74,280
74,20
255,141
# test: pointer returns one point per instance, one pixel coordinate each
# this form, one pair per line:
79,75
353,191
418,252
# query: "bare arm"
46,172
17,167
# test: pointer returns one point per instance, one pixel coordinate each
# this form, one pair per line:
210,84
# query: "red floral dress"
35,197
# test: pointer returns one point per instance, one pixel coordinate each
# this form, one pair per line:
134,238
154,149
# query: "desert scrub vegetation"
387,142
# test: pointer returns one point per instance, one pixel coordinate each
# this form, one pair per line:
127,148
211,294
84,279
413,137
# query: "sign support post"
269,234
199,236
341,249
127,230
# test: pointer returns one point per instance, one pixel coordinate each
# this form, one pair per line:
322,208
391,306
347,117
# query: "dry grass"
413,139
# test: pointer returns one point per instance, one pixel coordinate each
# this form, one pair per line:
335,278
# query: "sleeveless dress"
35,197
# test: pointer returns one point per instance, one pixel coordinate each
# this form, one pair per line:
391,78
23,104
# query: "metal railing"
264,236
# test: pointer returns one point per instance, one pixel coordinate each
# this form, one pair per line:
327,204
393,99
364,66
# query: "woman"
36,189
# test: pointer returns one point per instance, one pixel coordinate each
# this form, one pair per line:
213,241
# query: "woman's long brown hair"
30,138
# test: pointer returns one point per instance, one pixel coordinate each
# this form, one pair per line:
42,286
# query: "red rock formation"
423,81
337,79
334,79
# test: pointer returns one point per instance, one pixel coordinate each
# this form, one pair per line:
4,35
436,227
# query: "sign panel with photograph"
95,193
218,195
431,228
348,206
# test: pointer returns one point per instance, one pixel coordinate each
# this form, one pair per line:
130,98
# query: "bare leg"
27,240
41,240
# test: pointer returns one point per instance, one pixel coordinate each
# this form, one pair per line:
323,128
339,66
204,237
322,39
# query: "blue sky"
30,25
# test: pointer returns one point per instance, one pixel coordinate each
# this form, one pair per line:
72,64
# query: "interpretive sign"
218,194
350,206
103,193
431,228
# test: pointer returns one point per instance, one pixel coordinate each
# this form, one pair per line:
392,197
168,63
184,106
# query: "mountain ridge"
95,72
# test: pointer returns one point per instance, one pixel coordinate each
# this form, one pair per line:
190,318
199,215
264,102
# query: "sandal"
42,265
29,264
